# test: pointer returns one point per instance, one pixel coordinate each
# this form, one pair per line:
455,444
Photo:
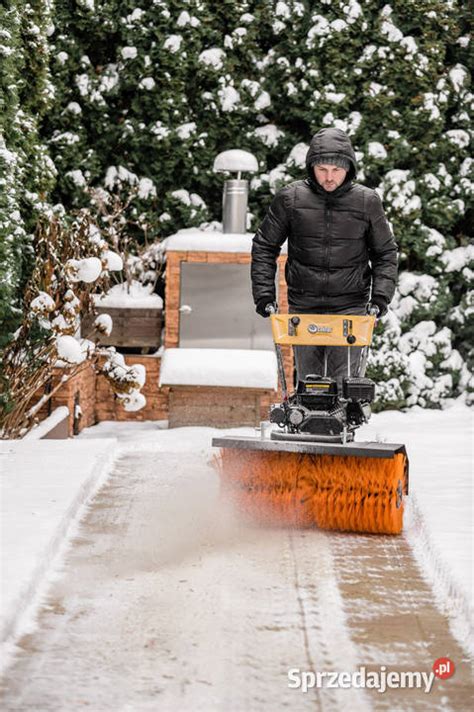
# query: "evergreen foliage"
27,173
146,94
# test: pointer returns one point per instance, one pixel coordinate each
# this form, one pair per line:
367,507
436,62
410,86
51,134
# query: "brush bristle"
356,494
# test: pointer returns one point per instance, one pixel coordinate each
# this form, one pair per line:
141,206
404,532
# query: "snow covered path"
167,602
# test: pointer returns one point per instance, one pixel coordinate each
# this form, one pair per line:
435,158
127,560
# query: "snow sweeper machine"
308,469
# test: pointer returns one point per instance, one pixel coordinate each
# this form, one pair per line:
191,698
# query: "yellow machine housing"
322,329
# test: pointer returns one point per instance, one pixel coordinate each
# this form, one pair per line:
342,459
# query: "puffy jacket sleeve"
267,243
382,252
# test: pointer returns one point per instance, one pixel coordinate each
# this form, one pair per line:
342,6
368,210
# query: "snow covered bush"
27,173
115,212
71,268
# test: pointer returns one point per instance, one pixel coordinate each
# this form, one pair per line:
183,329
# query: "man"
342,257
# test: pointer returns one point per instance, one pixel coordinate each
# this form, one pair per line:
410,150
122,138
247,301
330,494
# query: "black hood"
331,140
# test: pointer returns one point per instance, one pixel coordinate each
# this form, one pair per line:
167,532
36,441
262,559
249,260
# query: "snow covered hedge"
27,173
146,96
73,264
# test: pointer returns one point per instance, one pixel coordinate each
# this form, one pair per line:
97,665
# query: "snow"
392,33
439,517
269,134
353,10
334,97
133,401
282,10
135,16
137,295
186,19
319,29
159,130
113,261
42,304
375,88
432,182
235,159
423,286
48,482
219,367
43,485
455,260
118,174
69,349
458,76
147,83
43,428
77,178
459,137
338,25
95,236
297,156
184,131
129,52
146,189
263,101
127,380
74,108
173,43
87,269
213,57
200,240
430,104
439,446
410,45
104,324
376,150
67,137
229,98
401,191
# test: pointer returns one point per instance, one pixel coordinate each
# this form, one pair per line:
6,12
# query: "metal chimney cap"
235,160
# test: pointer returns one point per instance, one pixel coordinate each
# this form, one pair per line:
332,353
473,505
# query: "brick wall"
109,407
79,389
217,406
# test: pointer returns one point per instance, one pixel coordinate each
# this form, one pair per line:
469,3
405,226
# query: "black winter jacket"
341,251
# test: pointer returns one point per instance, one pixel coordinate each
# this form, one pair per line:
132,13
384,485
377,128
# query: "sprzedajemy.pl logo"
380,680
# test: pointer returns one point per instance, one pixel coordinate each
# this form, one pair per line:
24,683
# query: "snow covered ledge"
238,368
210,239
55,426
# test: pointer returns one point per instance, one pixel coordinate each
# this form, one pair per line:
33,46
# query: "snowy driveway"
167,602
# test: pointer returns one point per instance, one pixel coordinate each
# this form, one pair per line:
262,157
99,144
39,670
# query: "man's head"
330,170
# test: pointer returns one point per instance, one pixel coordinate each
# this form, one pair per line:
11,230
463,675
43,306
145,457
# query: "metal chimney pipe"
234,206
236,190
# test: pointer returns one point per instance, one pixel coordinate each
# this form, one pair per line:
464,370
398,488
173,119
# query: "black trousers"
328,360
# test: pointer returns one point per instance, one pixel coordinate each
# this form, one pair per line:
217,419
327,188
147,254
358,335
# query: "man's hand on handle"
377,309
380,304
266,306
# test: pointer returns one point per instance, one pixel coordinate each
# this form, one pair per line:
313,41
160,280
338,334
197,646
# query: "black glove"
381,305
262,304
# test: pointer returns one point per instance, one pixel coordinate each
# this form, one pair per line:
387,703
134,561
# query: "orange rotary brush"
350,493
